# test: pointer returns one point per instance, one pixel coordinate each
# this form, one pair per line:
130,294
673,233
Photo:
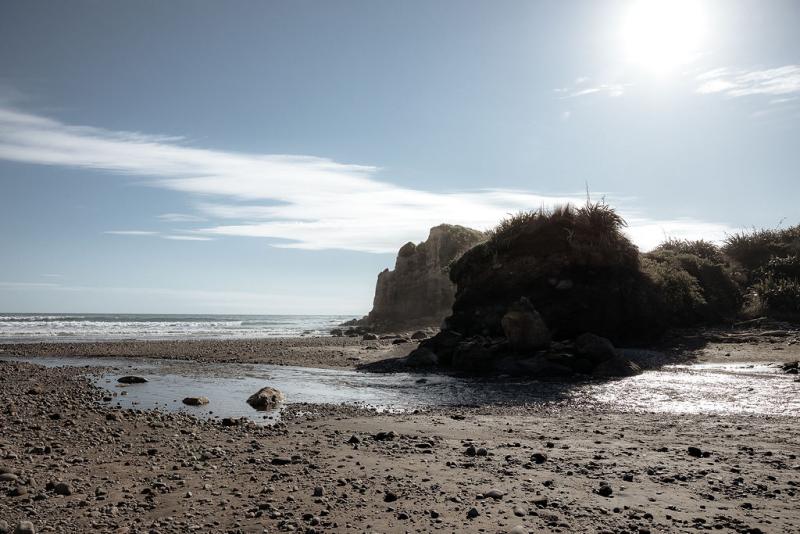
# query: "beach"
74,462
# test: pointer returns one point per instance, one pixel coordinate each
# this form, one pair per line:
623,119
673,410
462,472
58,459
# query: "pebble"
25,527
473,513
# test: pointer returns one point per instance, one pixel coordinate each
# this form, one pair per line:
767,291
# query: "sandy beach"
73,463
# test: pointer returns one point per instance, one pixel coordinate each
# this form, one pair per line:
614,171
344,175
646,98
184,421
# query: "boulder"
616,367
266,398
524,328
474,356
419,334
595,348
422,357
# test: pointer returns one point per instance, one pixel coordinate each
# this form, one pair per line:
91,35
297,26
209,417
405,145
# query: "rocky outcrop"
418,292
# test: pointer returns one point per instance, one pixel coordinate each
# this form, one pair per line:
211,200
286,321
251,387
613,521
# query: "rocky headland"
418,292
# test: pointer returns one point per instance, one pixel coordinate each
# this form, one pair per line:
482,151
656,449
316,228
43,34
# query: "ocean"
31,327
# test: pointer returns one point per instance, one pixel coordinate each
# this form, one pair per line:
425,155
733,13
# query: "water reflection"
701,388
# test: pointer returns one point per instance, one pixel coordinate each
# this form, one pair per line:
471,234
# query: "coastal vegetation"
562,274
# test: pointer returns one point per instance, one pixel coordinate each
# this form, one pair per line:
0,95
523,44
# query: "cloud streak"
740,83
301,202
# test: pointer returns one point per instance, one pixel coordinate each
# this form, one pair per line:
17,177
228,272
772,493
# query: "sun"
662,35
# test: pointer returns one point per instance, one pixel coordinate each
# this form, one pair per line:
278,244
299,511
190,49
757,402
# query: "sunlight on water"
721,389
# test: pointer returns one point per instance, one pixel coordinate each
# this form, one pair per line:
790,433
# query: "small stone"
195,401
131,380
318,491
695,452
389,497
605,490
519,529
493,494
473,513
25,527
353,440
62,488
539,457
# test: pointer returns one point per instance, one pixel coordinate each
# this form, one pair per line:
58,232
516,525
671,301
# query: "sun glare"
662,35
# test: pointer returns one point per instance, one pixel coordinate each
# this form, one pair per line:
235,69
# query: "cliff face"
418,292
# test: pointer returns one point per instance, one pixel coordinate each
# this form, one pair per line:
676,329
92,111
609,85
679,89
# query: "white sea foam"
22,327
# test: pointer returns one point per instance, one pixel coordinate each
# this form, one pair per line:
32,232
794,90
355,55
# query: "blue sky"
269,157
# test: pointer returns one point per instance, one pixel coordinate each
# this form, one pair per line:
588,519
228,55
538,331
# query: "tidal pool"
717,389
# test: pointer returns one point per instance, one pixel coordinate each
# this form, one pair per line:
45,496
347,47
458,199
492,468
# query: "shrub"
755,248
701,248
693,289
778,297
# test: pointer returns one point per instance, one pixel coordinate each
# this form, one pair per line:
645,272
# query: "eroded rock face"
418,292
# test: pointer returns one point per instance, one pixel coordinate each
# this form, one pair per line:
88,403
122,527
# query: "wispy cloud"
738,83
130,232
296,201
179,217
187,238
584,87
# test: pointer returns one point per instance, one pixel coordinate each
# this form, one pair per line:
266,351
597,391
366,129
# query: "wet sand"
72,463
323,352
128,471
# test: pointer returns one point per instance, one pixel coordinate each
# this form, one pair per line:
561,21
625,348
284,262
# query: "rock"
280,461
266,398
370,337
418,292
337,332
791,368
4,528
616,366
474,356
473,513
524,328
539,457
695,452
495,494
471,450
35,390
8,477
389,496
399,341
419,334
605,490
384,436
318,491
62,488
354,440
595,348
195,401
25,527
519,529
518,511
131,380
422,357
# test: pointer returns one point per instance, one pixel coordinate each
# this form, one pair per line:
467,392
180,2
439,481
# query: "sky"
271,157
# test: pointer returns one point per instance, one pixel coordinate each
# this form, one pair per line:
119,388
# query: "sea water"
30,327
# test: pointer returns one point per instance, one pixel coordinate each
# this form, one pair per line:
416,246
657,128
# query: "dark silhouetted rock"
131,380
524,328
422,357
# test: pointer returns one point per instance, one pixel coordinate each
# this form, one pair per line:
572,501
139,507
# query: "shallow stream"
721,389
